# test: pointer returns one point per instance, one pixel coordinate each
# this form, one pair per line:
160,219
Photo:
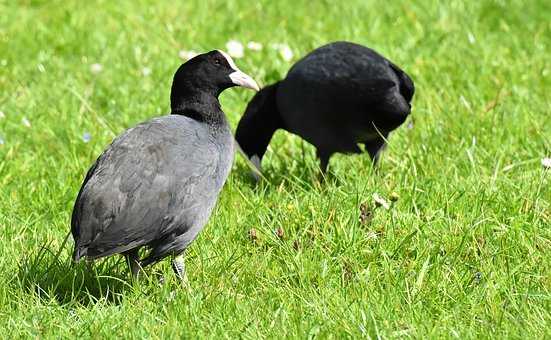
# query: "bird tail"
407,89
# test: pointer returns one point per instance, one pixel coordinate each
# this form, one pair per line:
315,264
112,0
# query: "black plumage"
157,183
336,97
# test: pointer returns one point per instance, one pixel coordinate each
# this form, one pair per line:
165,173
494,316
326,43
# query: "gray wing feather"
152,180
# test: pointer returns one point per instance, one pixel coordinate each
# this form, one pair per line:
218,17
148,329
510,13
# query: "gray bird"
155,186
336,97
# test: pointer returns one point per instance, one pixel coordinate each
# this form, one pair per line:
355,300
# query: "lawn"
464,251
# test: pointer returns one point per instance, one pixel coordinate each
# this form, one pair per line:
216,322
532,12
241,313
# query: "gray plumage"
157,183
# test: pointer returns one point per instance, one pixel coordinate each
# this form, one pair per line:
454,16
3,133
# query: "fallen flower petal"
235,49
86,137
96,68
146,71
254,46
26,122
379,201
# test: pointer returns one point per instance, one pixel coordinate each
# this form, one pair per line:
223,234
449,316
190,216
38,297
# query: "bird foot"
133,260
178,266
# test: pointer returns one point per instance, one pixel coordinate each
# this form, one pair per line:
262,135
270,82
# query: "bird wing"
148,182
374,90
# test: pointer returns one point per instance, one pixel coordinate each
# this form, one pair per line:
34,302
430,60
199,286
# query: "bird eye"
217,62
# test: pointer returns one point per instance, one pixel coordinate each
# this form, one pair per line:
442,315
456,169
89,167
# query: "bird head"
210,72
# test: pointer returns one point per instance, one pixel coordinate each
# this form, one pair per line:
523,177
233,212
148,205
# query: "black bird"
338,96
155,186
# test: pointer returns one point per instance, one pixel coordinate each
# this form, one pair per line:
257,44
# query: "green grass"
465,251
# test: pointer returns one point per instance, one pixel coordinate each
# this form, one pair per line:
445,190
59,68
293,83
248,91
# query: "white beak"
239,78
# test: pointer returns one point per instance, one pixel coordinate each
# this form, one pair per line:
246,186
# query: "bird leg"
375,148
133,260
179,268
89,264
324,161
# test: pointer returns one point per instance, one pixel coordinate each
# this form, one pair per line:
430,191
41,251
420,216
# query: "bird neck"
200,106
259,123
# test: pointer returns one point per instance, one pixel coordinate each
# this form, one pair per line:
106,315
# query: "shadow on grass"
49,275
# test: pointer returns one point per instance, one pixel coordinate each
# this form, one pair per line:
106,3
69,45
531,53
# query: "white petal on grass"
372,235
86,137
381,201
286,53
235,49
146,71
546,162
254,46
2,115
186,55
96,68
41,68
26,122
471,38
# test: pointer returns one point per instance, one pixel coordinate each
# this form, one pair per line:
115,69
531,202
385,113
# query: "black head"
209,73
